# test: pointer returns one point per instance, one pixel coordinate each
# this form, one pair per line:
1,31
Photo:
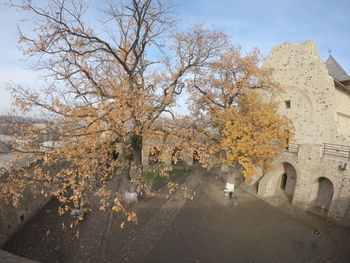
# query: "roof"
335,70
342,86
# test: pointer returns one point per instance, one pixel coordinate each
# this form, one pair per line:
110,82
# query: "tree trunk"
230,183
124,158
131,158
231,174
136,143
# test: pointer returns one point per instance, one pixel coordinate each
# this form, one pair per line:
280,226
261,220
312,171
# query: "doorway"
324,195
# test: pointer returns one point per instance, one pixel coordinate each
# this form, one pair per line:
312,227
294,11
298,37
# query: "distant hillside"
7,120
20,119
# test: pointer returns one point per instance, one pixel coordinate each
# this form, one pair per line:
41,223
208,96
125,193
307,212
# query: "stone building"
314,173
13,218
149,153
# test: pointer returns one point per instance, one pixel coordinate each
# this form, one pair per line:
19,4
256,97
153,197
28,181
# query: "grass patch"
155,176
152,176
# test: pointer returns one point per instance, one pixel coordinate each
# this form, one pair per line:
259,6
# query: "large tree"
232,120
110,89
107,86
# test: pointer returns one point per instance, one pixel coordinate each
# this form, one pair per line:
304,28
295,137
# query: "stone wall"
13,218
187,156
310,92
342,114
320,114
310,165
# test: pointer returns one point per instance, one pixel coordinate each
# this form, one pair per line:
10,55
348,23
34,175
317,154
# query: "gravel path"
140,244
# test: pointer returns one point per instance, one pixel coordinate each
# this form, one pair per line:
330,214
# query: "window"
21,218
287,102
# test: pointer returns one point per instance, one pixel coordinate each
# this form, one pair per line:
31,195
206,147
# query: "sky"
251,23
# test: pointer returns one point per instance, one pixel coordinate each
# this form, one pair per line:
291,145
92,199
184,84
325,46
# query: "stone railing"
293,148
340,152
327,150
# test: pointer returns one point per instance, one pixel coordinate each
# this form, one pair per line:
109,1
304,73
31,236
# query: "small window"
287,102
21,218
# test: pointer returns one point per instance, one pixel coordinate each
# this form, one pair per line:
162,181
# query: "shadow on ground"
210,228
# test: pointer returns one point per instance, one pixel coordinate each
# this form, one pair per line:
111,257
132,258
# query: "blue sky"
251,23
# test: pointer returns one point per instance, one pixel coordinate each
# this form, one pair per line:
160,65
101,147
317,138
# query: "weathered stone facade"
12,218
315,175
186,156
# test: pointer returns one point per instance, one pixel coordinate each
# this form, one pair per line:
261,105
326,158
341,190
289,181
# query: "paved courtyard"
209,228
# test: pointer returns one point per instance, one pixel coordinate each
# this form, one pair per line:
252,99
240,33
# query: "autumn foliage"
252,133
237,126
108,93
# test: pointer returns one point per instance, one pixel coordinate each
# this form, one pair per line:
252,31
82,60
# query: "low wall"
7,257
13,218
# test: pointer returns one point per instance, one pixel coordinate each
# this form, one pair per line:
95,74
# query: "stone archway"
195,156
279,180
177,156
154,156
288,180
324,197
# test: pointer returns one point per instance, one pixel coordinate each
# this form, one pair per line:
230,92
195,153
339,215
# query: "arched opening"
154,156
195,156
288,180
324,196
177,156
21,218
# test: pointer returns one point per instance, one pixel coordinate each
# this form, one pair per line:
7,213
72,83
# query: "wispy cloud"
252,23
